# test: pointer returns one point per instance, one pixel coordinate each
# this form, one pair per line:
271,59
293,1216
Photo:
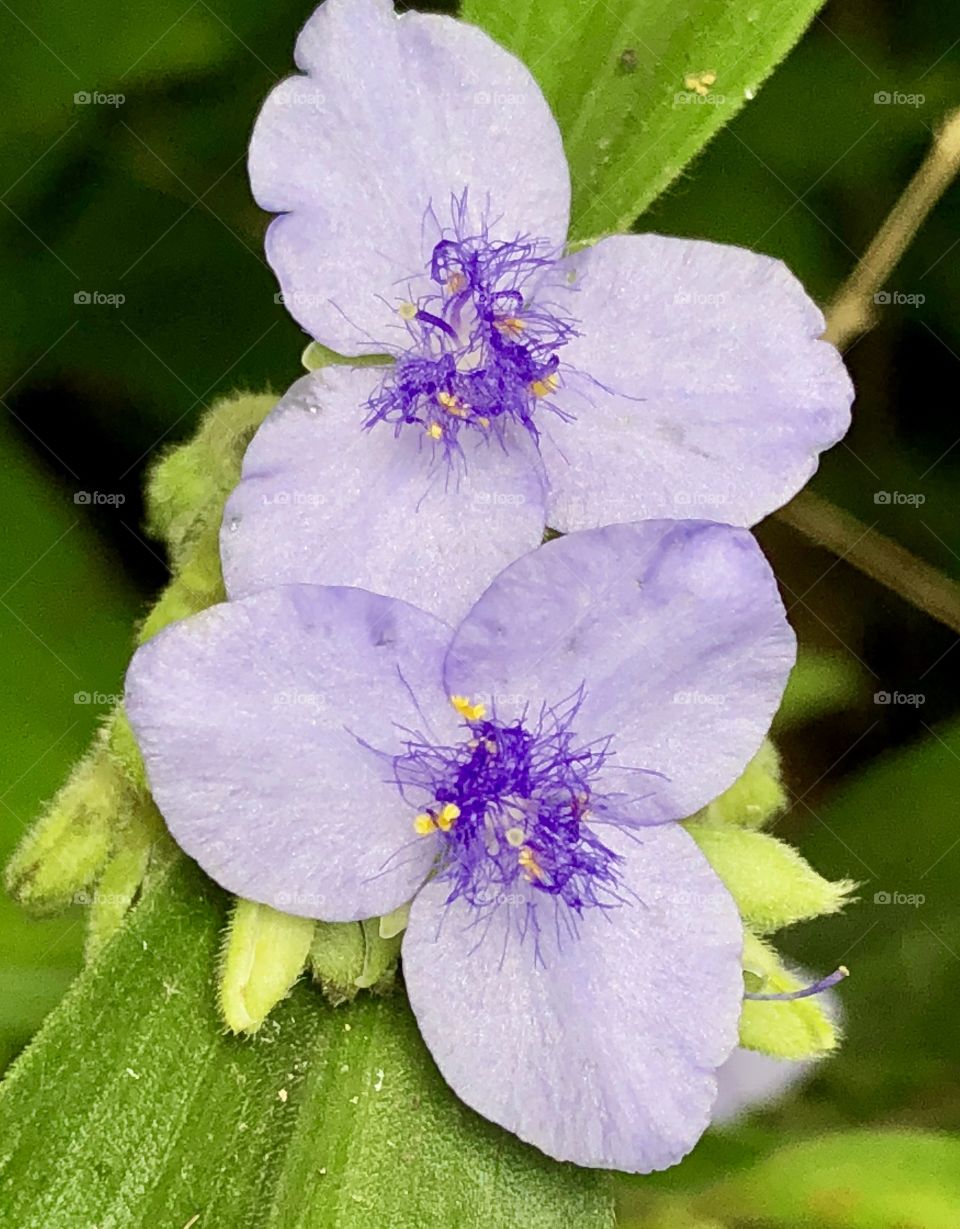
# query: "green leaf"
133,1109
773,885
859,1180
615,74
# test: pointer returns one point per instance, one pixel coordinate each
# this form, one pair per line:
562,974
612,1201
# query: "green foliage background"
148,199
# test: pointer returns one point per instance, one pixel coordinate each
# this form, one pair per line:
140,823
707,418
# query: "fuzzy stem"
853,311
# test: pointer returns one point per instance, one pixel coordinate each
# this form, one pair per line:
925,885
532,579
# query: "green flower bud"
755,798
347,957
797,1029
187,487
772,884
264,953
123,750
64,852
123,875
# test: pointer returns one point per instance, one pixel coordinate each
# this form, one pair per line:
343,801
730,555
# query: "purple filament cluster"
483,350
523,797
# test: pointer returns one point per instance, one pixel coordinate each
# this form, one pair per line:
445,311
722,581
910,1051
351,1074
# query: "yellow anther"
407,311
514,837
424,824
484,422
452,405
435,431
510,324
543,388
448,813
468,711
531,867
490,745
455,282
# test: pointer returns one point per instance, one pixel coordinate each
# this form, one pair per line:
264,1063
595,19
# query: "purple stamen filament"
789,996
509,807
484,350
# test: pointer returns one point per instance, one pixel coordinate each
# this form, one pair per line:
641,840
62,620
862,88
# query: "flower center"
484,350
513,806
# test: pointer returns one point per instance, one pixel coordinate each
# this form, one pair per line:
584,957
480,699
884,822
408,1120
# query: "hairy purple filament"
484,350
522,799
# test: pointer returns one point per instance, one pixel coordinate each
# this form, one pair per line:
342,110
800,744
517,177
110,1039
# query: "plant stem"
853,311
877,556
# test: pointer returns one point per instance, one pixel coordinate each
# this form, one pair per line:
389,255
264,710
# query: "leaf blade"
132,1107
615,78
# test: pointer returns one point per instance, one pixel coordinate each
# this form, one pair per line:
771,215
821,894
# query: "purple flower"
572,959
424,200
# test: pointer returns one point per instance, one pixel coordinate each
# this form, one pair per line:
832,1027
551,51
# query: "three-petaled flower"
573,961
424,200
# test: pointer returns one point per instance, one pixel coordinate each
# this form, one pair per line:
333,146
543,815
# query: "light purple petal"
396,115
674,629
709,393
324,501
249,716
748,1081
603,1051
